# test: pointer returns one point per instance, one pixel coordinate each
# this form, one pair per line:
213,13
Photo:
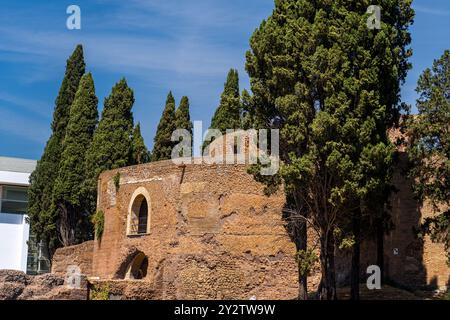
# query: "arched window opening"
138,222
143,217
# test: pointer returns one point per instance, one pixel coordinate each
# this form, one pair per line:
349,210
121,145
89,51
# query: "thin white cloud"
431,11
120,52
185,46
140,37
22,126
181,13
37,107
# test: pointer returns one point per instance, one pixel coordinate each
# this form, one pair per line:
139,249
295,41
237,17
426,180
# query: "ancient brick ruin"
201,231
211,233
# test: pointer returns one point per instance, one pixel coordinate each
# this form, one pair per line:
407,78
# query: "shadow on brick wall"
405,263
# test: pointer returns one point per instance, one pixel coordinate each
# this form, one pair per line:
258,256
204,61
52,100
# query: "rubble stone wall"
80,255
213,233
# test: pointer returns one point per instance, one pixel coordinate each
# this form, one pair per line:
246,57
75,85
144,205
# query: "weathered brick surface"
80,255
12,284
213,233
408,261
417,264
16,285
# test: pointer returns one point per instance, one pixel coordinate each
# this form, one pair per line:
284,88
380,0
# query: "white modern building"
14,228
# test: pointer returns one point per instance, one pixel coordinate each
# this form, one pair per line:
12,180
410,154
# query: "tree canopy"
228,114
111,147
331,86
429,149
68,194
139,153
43,220
163,145
182,115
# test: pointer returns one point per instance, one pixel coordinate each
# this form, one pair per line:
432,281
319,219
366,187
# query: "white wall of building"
14,229
14,178
14,233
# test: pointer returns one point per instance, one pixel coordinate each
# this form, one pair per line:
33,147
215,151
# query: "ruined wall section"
213,233
80,255
410,261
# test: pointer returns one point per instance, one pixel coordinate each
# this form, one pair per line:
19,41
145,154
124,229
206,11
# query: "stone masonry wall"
213,233
408,261
80,255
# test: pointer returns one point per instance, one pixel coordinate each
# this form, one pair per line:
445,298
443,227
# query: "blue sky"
186,46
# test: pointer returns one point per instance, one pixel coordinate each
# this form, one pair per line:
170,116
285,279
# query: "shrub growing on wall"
98,220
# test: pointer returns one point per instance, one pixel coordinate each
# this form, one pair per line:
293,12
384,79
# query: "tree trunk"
298,229
328,282
302,245
67,225
356,263
319,290
380,247
303,287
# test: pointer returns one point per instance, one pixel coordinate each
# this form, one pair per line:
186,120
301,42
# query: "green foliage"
228,114
111,147
100,292
68,193
232,112
74,71
182,116
163,145
247,121
306,260
347,243
139,152
429,148
43,219
98,220
344,241
332,88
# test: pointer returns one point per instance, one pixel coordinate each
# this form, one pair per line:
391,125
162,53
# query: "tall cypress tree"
68,196
42,219
162,149
182,116
331,86
112,141
247,121
228,114
139,152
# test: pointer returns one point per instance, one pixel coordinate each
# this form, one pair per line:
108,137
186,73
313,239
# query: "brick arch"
131,262
137,269
139,195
